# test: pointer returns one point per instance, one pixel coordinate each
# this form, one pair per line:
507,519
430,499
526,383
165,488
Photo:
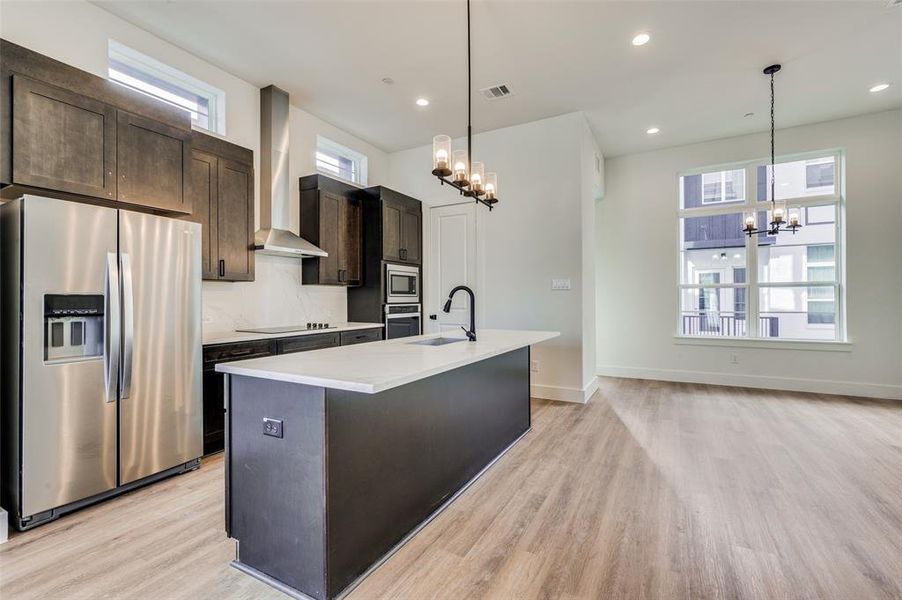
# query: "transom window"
204,102
338,161
787,286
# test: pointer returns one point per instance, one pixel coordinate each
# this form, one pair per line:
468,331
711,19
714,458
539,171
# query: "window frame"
752,283
216,98
326,145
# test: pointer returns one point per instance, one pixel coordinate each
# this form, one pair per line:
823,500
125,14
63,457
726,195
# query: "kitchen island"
335,457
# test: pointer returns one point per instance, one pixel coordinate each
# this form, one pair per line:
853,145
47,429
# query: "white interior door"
451,262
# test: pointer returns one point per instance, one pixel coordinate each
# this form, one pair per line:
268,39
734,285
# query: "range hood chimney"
274,236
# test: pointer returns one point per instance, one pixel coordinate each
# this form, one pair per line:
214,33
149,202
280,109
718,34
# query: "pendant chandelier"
457,168
780,221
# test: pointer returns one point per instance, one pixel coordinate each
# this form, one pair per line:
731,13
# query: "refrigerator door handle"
128,326
112,329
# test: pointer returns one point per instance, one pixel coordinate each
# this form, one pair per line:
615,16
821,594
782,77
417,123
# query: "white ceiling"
695,80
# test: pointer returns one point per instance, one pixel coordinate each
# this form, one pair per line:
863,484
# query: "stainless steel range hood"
274,236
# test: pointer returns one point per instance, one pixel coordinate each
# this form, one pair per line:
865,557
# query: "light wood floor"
651,490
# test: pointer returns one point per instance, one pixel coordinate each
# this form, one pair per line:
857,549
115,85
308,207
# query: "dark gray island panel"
355,473
397,456
276,485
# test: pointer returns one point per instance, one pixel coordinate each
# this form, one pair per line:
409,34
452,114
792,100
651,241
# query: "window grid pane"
715,286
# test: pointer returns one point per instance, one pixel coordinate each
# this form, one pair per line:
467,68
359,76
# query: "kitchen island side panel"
393,458
277,485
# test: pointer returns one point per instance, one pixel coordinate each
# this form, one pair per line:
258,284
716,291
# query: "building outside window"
204,102
723,186
787,286
339,161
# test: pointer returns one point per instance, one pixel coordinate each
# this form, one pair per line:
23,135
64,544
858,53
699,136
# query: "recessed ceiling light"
652,130
879,88
422,102
641,39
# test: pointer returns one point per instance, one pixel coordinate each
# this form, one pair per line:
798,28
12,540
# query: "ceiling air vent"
496,92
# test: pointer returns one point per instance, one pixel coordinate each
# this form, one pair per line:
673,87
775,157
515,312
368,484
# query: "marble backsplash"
275,297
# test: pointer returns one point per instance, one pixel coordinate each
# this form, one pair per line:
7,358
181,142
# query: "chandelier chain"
773,165
469,99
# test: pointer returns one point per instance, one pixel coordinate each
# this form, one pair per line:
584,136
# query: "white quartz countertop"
378,366
228,337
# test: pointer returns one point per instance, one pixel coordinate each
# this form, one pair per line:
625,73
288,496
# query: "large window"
787,286
336,160
204,102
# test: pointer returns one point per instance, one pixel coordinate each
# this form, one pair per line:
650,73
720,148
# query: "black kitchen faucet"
471,333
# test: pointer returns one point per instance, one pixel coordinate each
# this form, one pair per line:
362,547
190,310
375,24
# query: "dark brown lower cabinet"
360,336
213,385
213,382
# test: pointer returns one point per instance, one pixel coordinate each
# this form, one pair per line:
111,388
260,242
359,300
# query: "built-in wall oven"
402,320
402,284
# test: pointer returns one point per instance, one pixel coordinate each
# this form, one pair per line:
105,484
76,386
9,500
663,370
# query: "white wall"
77,33
534,235
637,266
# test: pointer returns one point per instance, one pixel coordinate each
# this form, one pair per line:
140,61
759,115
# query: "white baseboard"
4,523
565,394
818,386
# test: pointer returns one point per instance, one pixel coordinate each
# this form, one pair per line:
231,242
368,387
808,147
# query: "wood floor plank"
651,490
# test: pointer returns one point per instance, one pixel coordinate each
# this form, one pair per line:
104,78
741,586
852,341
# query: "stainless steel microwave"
402,284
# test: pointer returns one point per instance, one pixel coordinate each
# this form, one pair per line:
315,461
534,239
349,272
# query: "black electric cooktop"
288,328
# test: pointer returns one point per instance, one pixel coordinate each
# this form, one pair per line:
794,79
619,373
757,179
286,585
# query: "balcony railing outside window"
722,324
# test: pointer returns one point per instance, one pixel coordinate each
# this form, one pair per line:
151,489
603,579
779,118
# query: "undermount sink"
438,341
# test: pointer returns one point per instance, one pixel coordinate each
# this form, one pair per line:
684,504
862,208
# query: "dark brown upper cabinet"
411,228
201,181
401,224
330,218
152,158
62,140
219,182
236,220
79,136
391,231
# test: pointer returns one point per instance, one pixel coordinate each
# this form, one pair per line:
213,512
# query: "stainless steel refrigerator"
101,353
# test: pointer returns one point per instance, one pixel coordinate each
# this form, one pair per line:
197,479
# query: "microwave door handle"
128,326
112,329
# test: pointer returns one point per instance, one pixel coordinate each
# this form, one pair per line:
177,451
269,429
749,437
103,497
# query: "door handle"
128,326
112,329
222,267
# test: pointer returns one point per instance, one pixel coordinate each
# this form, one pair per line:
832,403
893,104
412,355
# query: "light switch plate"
560,284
